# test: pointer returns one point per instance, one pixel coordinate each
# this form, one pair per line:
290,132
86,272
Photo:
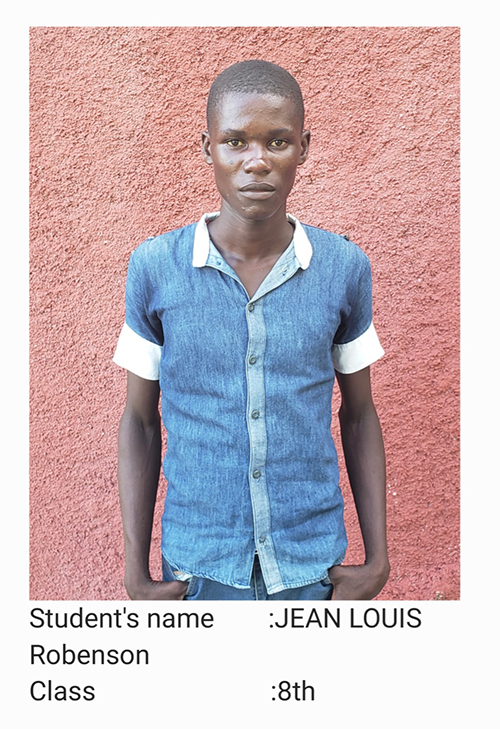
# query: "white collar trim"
201,244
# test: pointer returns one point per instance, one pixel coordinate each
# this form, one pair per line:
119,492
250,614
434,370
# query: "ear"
205,147
304,146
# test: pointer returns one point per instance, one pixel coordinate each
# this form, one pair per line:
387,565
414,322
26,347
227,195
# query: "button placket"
256,422
256,425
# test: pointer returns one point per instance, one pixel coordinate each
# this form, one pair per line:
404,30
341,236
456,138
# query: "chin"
257,211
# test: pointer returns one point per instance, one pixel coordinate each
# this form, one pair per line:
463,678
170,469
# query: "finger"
336,572
176,589
168,590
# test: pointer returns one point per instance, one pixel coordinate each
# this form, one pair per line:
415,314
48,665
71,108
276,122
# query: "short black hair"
256,76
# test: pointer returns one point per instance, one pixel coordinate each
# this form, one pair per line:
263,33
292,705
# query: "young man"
242,320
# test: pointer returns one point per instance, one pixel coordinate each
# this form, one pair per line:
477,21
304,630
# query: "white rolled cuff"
358,354
137,355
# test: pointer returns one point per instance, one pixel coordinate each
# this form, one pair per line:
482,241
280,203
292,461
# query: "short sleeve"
356,344
141,338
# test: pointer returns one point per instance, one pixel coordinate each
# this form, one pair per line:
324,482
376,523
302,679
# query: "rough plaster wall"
116,115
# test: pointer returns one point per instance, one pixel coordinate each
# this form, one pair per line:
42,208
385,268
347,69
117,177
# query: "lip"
257,187
257,190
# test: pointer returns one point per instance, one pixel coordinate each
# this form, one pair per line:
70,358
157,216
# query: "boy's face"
255,143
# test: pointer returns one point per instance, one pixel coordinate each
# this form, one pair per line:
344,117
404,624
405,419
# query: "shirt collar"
201,245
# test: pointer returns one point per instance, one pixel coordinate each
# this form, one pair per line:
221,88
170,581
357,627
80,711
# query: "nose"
257,160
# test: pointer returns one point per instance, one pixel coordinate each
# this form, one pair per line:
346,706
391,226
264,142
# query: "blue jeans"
201,588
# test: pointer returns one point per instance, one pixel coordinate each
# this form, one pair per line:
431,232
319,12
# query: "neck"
251,239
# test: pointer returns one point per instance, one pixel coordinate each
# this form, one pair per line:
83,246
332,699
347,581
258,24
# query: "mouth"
257,189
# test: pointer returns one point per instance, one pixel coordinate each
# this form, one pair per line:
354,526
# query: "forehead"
238,110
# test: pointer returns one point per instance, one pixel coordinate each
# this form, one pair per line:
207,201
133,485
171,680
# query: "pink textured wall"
116,116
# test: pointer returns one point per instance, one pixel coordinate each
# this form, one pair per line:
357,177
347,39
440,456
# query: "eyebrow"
241,133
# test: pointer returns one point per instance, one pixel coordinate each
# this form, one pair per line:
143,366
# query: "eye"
234,143
279,143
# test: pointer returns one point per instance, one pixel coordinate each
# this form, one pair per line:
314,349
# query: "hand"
357,582
149,589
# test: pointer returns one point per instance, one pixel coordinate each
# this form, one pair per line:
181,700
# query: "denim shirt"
246,391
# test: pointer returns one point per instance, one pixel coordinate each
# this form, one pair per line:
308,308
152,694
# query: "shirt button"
252,359
256,474
251,307
255,414
262,540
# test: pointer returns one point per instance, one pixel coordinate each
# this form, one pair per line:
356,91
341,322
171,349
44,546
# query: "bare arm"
139,458
365,462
